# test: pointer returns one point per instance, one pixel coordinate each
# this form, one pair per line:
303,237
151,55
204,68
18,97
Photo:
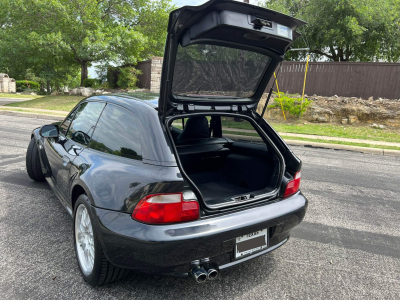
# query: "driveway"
4,101
348,246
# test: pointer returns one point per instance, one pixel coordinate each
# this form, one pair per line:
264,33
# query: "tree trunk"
48,87
84,71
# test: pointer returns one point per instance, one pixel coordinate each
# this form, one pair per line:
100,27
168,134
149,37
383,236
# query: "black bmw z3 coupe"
193,180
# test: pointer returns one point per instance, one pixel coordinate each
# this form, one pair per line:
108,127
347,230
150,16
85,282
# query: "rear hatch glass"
203,70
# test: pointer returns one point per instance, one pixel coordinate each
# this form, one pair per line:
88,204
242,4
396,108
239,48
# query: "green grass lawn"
65,103
334,130
7,95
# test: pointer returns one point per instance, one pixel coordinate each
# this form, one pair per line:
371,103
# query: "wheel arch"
78,188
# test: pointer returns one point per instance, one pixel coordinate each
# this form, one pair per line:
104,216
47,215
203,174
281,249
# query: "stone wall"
12,87
155,79
4,84
7,85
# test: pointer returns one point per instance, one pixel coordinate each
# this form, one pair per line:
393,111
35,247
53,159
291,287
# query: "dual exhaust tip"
204,271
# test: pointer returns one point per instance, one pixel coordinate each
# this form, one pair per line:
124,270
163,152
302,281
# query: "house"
7,84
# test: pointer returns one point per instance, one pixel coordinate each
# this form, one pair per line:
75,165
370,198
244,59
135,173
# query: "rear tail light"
293,186
167,208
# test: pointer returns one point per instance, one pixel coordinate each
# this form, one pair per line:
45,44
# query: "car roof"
130,100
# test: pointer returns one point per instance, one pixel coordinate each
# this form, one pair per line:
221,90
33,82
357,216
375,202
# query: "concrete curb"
376,151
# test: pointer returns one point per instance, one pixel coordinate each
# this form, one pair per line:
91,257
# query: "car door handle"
66,160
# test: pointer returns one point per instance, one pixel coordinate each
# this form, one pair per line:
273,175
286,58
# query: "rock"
305,123
345,121
54,94
371,98
336,96
33,94
81,91
318,114
106,93
98,92
322,119
74,92
18,93
374,125
139,90
382,126
86,92
353,120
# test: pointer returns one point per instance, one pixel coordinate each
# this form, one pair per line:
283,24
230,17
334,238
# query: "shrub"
91,82
105,85
112,77
22,85
291,103
127,78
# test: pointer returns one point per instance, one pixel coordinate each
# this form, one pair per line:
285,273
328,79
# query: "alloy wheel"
84,240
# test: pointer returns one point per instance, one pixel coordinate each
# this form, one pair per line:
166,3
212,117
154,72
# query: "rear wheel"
33,166
93,264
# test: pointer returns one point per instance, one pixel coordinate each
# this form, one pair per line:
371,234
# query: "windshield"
209,70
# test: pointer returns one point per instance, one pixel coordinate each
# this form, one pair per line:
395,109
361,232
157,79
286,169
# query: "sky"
179,3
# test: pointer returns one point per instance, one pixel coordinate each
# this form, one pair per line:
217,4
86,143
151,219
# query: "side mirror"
49,131
81,137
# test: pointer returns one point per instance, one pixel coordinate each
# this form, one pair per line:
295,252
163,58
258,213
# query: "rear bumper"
171,248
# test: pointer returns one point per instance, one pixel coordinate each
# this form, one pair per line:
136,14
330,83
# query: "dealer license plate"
251,243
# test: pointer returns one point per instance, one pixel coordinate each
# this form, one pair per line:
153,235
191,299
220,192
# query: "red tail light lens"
293,186
166,208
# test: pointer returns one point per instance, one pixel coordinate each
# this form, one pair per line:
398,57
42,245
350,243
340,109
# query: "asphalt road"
348,246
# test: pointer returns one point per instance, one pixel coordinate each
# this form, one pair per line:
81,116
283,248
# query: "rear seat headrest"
196,127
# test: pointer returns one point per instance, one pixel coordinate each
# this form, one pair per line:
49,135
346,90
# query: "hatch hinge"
239,108
186,107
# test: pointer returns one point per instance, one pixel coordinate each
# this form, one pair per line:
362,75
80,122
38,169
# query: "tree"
86,31
346,30
25,55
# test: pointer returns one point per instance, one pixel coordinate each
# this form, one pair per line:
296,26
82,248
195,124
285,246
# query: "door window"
117,133
84,121
65,125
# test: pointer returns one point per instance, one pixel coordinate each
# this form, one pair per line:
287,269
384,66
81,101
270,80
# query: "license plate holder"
251,243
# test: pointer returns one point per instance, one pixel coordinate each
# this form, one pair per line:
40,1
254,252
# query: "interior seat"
196,127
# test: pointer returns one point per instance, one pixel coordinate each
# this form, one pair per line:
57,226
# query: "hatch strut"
269,94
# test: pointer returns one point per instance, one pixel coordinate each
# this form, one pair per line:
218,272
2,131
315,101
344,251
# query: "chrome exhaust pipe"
212,271
199,274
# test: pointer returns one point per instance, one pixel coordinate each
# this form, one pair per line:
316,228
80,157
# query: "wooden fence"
347,79
145,78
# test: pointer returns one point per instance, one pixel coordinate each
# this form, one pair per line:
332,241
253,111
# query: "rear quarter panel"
118,183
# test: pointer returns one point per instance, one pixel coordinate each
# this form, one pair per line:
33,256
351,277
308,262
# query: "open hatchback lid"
221,55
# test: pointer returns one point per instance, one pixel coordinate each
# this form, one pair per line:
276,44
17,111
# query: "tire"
33,165
102,271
